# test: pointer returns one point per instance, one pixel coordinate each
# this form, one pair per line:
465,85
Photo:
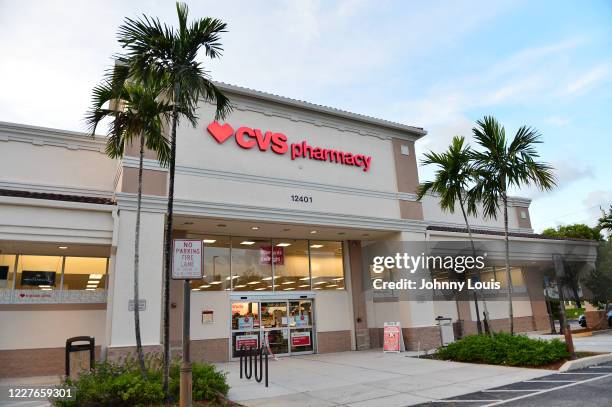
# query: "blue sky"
439,65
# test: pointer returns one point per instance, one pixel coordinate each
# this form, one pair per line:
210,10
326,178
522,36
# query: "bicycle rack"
249,354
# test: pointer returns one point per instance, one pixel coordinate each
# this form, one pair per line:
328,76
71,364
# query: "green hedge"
504,349
121,384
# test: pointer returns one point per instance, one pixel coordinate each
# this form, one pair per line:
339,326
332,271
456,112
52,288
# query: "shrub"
121,384
505,349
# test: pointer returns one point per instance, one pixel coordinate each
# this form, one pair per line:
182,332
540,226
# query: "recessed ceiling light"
221,225
208,241
247,243
92,286
62,247
254,227
253,282
88,289
93,281
287,282
312,232
267,278
44,286
216,282
305,285
283,244
95,276
260,288
316,246
332,285
289,289
240,286
317,288
304,278
340,288
205,286
195,289
320,282
338,279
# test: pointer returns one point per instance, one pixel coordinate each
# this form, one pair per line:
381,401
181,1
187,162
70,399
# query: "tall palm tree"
605,222
158,53
503,164
136,114
453,180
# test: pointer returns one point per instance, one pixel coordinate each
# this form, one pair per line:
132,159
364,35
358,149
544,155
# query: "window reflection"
38,272
216,264
7,271
251,264
291,265
85,273
326,265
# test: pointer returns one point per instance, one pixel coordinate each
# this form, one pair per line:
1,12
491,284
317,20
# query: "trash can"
447,333
80,355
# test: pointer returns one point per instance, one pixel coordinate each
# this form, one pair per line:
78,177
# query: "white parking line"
549,381
463,401
580,373
499,391
548,390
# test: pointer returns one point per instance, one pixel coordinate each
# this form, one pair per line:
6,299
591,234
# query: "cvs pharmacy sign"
249,138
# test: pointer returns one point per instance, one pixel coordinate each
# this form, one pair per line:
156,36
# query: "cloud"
597,200
566,172
586,81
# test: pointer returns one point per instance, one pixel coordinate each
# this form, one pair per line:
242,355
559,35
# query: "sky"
440,65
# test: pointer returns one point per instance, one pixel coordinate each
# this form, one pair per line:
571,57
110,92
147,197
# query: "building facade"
284,194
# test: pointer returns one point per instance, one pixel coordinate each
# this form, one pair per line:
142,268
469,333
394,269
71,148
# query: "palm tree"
605,222
136,114
453,180
158,53
503,164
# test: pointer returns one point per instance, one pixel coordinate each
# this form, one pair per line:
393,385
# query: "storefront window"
245,315
327,271
251,264
38,272
85,273
291,265
7,271
216,264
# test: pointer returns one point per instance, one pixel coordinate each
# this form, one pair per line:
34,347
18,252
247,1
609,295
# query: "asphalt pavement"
589,387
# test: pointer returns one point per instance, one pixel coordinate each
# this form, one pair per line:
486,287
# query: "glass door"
288,326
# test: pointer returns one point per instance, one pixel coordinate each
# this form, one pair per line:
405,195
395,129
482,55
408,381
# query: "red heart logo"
220,132
22,295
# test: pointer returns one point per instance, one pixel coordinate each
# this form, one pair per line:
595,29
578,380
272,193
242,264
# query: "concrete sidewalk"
600,341
367,378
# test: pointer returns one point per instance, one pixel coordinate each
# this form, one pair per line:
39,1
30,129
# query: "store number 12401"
301,198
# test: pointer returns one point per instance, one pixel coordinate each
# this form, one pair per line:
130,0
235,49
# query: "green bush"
121,384
504,349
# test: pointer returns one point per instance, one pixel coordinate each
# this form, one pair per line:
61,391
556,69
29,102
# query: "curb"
585,362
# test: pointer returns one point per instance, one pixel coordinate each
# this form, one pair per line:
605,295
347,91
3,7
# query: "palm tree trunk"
469,229
141,362
168,241
508,273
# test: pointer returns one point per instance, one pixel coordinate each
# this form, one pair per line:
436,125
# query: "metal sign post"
187,258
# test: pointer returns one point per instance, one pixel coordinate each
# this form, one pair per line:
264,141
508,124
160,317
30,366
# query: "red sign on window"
300,339
248,341
265,255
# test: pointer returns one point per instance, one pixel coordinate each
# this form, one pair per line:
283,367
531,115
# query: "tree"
136,114
605,222
599,281
503,164
575,231
452,183
158,53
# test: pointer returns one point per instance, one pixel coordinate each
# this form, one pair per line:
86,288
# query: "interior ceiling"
272,230
53,249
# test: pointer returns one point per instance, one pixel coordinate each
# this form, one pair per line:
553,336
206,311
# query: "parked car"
610,318
582,321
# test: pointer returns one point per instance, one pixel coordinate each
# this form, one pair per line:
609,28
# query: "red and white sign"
186,259
248,138
248,341
265,255
300,339
392,337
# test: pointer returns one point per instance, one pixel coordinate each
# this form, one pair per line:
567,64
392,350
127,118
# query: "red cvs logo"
248,138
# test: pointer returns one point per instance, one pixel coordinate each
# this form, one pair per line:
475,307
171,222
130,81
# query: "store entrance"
287,325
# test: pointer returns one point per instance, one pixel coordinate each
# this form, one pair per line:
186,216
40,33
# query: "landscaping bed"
508,350
121,384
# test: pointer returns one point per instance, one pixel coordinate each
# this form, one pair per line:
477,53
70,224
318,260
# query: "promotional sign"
245,323
247,138
186,259
265,255
393,339
208,316
300,339
300,320
38,278
248,341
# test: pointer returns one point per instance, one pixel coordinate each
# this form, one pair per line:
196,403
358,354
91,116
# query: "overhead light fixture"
45,289
92,286
62,247
205,286
304,278
338,279
209,241
260,288
217,282
320,282
305,285
317,288
287,282
332,285
312,232
316,246
44,286
247,242
93,282
340,288
253,282
95,276
267,278
90,289
195,289
283,244
289,289
240,286
254,227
